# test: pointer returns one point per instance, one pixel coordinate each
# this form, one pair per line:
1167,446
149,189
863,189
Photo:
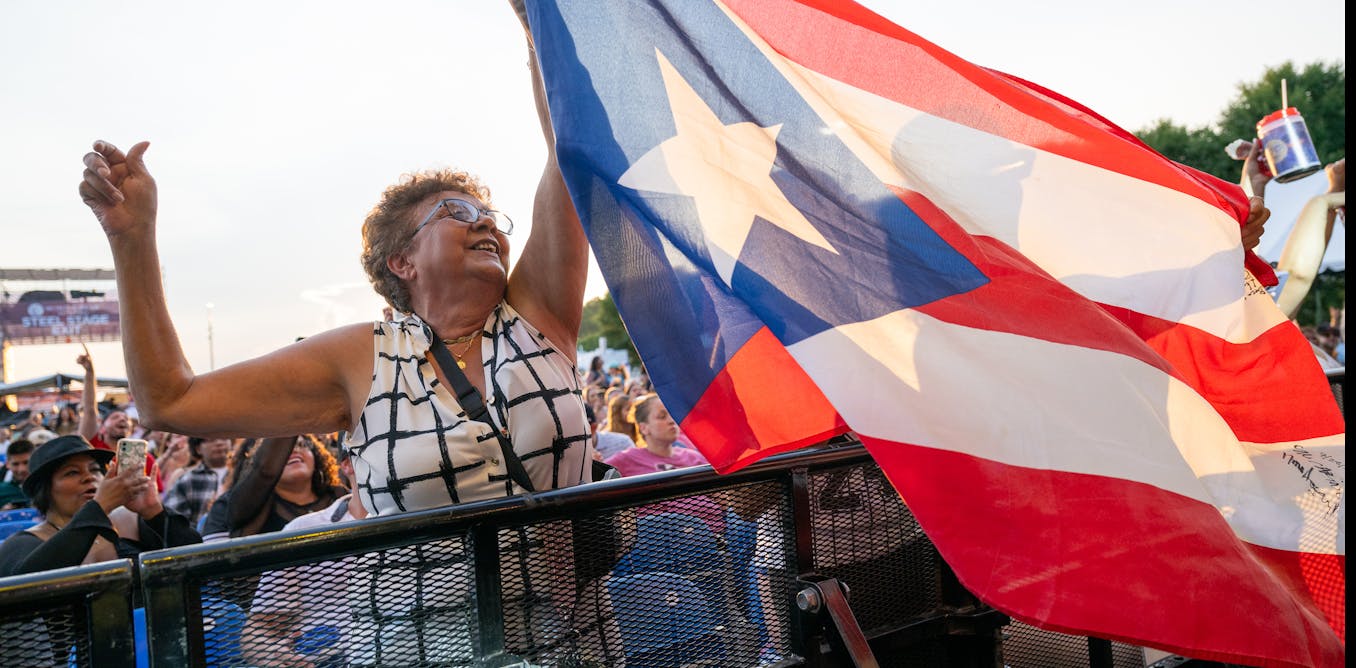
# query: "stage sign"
60,321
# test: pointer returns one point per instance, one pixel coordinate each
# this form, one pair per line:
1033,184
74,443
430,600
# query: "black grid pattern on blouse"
505,352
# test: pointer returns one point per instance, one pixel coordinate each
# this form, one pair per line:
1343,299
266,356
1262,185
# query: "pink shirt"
639,461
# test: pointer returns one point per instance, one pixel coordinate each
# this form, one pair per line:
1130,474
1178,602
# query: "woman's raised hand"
119,487
119,189
146,502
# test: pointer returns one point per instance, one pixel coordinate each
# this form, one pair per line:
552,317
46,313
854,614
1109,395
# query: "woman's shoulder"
17,540
510,320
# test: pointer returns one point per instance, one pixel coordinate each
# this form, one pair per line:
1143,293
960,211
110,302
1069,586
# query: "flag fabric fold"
814,221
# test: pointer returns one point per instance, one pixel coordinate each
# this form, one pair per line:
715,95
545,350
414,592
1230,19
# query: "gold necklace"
461,339
468,340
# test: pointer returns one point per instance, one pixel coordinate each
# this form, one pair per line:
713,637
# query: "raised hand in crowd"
176,460
121,487
1337,183
1337,176
146,500
119,189
1255,184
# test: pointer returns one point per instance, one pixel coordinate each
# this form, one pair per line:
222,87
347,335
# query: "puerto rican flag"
814,221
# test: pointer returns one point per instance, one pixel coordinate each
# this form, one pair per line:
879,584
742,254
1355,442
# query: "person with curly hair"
281,480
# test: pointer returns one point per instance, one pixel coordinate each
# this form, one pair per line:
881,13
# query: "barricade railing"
1337,379
78,616
679,568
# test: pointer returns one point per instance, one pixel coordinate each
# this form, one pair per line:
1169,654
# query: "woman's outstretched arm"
301,388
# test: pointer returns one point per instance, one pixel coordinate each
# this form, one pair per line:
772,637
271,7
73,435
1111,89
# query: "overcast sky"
275,125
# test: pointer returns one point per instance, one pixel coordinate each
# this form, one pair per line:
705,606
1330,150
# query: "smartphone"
131,454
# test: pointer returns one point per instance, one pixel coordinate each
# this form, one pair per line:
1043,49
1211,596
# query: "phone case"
131,450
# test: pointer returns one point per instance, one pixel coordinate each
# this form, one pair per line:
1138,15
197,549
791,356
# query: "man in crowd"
114,427
194,491
11,492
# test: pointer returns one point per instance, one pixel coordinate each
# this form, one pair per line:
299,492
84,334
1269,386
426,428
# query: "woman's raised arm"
547,284
301,388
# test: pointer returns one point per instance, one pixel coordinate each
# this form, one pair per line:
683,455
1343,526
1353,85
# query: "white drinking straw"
1284,103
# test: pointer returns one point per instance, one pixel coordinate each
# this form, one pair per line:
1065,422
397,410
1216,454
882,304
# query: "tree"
1202,148
1319,92
602,320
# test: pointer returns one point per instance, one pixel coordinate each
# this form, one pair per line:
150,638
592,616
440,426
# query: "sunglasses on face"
465,211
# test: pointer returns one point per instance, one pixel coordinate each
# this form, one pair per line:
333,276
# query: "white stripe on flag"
1033,403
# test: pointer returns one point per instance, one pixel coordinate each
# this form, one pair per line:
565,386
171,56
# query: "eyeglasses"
465,211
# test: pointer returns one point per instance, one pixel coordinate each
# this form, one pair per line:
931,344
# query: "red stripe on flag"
762,396
1236,378
1020,297
1324,576
1087,554
899,65
1241,379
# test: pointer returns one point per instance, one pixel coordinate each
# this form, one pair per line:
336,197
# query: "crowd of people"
468,390
197,477
191,488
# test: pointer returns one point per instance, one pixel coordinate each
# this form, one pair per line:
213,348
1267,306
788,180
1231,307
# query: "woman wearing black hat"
89,515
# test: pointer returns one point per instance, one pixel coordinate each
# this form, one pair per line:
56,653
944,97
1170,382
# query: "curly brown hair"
389,225
325,477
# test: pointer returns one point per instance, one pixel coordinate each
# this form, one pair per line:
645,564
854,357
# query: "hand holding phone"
132,454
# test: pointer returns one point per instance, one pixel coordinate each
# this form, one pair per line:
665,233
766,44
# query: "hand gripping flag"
812,221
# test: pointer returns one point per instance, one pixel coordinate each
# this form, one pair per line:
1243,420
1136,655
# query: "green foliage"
1202,148
602,320
1329,291
1318,91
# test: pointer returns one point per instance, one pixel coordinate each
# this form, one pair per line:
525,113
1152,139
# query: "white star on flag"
725,169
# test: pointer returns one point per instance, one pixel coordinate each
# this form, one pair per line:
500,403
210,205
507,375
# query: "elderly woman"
438,252
89,515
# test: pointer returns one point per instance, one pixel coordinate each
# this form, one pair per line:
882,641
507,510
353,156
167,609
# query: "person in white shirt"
298,614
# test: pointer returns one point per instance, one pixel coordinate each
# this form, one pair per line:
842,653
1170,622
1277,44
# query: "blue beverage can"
1287,146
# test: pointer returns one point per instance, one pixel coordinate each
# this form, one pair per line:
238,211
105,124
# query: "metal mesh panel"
46,636
1336,382
680,582
864,536
407,606
1025,646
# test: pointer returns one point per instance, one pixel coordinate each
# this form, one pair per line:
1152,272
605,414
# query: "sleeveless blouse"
414,447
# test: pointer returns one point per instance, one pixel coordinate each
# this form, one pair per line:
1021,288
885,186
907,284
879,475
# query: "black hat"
48,456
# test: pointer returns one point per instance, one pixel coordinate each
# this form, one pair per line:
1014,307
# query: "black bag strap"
471,402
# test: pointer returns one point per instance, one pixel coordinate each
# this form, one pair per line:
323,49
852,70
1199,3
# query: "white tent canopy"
1286,200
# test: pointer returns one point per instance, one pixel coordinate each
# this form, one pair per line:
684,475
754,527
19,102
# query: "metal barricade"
678,568
79,616
1337,379
684,567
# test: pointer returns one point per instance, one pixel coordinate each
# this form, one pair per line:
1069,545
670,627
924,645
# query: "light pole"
211,350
